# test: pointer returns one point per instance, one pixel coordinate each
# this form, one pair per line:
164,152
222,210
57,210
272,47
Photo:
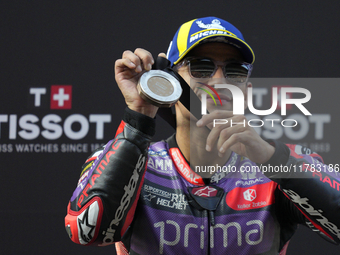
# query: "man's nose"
219,73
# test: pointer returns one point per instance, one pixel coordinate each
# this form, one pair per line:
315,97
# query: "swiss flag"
61,96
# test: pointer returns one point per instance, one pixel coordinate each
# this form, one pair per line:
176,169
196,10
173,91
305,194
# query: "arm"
104,202
307,182
310,185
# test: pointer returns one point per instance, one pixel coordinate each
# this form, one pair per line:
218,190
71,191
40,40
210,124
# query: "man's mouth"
214,96
224,99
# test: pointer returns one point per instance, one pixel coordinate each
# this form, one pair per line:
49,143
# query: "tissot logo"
48,128
61,97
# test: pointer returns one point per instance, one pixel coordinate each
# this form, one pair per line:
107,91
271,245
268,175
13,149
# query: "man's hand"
128,70
240,138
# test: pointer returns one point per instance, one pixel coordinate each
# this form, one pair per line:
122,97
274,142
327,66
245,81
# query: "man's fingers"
122,63
235,138
213,136
163,55
132,61
215,115
221,133
138,60
226,136
146,58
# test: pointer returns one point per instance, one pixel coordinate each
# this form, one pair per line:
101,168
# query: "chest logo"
249,194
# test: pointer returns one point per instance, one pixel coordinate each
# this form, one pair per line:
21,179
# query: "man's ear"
249,85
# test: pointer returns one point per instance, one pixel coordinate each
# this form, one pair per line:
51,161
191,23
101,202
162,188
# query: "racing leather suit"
147,197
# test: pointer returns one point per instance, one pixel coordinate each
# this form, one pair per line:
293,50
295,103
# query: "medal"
159,88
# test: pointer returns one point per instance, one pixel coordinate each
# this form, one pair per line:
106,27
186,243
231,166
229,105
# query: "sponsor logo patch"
257,196
206,191
87,221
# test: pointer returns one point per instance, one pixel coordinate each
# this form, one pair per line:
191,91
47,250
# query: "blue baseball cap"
196,31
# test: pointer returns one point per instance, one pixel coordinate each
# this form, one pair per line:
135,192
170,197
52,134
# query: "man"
151,199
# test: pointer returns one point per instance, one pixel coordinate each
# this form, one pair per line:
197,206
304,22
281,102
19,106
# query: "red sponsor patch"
317,172
206,191
61,96
184,169
253,197
120,128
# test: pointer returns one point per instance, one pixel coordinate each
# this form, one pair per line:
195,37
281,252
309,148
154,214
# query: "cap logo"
215,24
206,29
215,28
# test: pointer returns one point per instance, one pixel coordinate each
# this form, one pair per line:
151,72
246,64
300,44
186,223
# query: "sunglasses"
234,71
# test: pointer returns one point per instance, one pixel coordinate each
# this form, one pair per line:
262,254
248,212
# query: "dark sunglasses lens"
201,68
237,72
